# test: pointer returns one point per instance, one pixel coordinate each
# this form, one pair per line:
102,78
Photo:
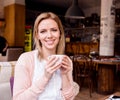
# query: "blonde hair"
37,44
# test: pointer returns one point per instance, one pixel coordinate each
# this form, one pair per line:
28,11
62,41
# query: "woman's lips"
50,42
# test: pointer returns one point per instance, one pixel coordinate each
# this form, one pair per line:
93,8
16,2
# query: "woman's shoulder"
29,52
28,55
26,60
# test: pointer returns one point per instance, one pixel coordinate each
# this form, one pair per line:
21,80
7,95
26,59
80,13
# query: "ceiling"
59,5
67,3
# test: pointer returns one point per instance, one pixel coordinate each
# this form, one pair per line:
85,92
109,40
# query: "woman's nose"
49,34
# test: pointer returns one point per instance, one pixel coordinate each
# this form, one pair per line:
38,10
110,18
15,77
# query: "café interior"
92,41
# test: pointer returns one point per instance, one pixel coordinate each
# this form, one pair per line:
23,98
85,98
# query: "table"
106,72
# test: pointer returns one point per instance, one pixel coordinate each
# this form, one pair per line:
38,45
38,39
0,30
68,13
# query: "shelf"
90,27
82,28
117,26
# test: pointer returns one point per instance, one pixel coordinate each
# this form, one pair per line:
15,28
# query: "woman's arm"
23,88
68,86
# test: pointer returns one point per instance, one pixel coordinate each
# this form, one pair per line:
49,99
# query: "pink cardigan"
23,88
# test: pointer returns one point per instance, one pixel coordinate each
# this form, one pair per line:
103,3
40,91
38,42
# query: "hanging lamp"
74,11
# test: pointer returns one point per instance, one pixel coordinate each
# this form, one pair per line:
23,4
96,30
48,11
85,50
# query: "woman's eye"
54,30
43,31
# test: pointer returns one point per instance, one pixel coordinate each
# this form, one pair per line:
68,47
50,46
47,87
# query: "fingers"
65,67
65,62
51,65
51,70
52,61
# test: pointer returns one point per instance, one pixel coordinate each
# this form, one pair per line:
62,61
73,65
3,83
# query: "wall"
15,24
1,9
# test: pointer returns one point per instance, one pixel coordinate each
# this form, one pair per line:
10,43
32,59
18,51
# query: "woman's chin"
51,47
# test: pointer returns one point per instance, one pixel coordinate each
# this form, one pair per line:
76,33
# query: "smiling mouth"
50,41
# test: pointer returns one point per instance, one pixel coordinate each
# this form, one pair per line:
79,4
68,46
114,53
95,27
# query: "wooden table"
106,72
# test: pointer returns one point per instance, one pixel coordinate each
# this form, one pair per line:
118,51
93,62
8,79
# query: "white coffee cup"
60,57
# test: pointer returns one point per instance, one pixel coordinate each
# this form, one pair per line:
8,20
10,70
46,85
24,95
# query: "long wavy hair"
37,43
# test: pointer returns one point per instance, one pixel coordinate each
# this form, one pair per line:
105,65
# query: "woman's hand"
66,65
51,66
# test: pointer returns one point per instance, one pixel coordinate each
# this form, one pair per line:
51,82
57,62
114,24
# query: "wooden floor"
84,93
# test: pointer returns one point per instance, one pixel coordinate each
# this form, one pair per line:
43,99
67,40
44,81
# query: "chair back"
13,53
82,67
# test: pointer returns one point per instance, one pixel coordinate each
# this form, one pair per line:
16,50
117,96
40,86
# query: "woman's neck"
47,53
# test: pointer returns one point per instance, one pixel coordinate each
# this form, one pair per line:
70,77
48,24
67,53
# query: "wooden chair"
83,69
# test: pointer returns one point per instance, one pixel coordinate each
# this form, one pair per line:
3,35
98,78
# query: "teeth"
50,42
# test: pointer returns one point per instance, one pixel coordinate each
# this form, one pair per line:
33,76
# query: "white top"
52,90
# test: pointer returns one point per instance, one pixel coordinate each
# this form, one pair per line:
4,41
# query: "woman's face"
48,34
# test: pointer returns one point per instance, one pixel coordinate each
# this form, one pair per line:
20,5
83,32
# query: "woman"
36,76
3,45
